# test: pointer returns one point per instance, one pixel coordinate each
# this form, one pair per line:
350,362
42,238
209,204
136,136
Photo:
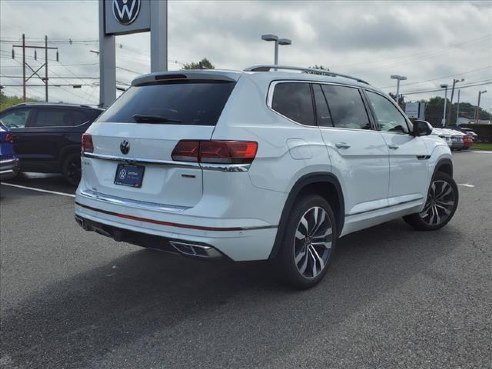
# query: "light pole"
398,79
458,108
455,81
443,122
278,41
477,115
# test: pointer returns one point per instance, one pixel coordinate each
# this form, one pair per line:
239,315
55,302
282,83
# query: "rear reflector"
215,151
87,145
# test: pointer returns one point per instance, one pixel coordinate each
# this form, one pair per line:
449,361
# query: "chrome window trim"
144,205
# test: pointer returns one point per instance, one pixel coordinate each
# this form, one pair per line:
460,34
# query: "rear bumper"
150,241
8,168
237,239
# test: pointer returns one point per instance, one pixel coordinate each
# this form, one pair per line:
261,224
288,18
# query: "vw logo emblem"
124,147
126,11
122,174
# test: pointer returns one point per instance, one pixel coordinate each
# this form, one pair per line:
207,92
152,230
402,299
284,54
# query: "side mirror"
421,128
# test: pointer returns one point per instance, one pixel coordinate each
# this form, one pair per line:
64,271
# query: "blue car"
9,164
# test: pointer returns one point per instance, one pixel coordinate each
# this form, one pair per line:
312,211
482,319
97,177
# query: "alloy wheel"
440,203
313,242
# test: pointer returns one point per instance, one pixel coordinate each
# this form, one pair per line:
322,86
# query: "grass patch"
482,146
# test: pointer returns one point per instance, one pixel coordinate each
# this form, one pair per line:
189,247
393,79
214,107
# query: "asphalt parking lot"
393,297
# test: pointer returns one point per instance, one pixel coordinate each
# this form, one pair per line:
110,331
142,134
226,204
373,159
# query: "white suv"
267,163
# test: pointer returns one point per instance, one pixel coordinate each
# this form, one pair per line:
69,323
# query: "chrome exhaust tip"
200,251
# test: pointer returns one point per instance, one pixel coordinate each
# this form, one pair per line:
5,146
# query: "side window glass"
75,118
16,119
49,118
346,107
293,100
322,111
387,115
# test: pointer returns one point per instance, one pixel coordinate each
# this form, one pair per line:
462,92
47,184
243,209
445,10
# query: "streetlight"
278,41
445,86
478,105
398,79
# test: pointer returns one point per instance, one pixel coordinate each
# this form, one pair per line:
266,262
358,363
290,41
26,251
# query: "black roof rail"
324,72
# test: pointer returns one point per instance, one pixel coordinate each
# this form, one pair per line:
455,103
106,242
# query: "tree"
202,64
401,100
8,101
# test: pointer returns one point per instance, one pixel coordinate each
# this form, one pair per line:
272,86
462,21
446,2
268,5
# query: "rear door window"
49,118
294,101
191,102
346,107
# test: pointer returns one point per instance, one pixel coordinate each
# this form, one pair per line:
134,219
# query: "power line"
481,83
438,78
421,55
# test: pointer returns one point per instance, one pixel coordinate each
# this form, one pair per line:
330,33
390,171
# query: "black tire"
441,204
306,251
71,169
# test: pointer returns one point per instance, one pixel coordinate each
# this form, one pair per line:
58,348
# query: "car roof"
268,72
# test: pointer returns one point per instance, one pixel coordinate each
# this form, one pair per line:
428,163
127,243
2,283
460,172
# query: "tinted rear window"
187,102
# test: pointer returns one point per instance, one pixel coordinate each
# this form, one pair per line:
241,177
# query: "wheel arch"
444,165
324,184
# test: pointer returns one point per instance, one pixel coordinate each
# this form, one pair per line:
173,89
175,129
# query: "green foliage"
435,106
484,131
202,64
8,101
320,67
482,146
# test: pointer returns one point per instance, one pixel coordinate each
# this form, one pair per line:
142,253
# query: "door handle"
342,145
393,147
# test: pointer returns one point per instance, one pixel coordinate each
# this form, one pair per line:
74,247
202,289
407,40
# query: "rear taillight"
215,151
9,138
87,145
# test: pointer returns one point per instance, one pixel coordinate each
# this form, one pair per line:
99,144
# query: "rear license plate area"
129,175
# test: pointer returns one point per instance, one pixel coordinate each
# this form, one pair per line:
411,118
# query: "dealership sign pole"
122,17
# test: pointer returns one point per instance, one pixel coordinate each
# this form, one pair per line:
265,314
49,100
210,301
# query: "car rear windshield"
191,102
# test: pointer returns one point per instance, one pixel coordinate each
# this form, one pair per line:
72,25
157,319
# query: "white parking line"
38,189
466,185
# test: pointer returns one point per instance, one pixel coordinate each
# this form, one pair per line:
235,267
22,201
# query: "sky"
429,42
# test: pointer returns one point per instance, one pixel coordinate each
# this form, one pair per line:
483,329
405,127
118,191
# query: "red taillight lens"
186,150
9,138
87,145
215,152
227,152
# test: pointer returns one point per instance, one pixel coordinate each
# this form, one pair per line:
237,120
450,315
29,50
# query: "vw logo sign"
126,11
122,174
124,147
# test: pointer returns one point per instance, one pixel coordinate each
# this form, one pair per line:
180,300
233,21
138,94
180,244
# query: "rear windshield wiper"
139,118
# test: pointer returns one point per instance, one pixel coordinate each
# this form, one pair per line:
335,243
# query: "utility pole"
34,72
23,67
458,108
443,122
46,66
477,114
452,94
